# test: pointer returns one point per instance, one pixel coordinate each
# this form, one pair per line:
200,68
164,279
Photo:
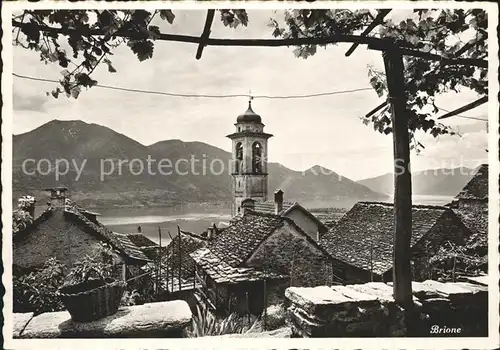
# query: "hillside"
441,182
96,147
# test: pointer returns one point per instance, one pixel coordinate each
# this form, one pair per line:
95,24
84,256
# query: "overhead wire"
175,94
252,96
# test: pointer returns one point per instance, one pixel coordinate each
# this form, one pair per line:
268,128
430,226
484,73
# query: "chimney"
139,229
27,203
278,201
212,231
247,205
57,196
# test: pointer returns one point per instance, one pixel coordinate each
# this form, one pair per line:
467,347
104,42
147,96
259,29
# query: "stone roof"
78,215
370,225
129,248
178,252
238,241
222,272
223,258
267,207
476,220
141,240
477,187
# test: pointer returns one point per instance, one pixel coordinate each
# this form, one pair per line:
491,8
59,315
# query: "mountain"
441,181
131,173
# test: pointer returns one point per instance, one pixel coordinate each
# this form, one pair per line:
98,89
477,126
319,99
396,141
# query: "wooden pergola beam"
378,20
376,109
465,108
206,33
471,43
373,43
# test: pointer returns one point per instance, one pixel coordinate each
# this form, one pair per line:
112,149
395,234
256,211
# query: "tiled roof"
141,240
477,187
235,244
366,233
221,272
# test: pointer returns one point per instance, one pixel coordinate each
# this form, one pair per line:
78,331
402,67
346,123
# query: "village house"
309,223
249,264
68,232
362,240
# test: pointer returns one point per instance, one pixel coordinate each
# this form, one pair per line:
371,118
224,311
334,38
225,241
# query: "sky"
324,131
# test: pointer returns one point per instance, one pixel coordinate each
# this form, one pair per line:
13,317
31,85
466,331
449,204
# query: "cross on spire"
250,97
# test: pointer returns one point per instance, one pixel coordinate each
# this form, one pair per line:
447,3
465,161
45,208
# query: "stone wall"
306,223
369,310
292,254
166,320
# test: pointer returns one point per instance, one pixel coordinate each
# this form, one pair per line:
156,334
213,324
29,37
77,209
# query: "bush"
275,317
37,291
130,298
20,220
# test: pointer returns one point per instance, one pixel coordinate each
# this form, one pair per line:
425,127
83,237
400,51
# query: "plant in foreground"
205,323
37,291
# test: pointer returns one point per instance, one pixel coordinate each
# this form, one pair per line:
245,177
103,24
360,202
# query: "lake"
126,220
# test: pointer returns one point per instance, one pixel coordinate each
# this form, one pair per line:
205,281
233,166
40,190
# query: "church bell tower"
249,161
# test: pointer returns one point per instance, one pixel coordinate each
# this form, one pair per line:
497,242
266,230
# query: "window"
239,157
256,158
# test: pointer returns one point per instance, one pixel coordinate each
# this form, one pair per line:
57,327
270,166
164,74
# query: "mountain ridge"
92,143
438,181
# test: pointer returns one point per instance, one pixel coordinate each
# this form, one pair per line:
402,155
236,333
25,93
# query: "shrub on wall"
20,220
275,317
100,266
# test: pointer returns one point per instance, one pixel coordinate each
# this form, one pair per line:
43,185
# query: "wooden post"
265,303
371,263
194,279
159,255
171,261
394,69
180,255
124,272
